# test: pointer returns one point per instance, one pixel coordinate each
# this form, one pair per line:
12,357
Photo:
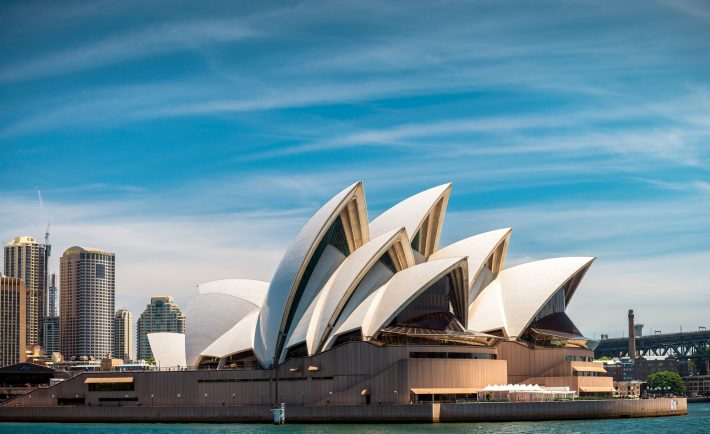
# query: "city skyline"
179,140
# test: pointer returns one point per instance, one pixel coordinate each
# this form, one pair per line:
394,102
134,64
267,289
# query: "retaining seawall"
419,413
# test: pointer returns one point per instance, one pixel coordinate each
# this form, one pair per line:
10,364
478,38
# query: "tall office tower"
50,327
26,259
123,335
50,335
52,296
13,322
161,315
87,298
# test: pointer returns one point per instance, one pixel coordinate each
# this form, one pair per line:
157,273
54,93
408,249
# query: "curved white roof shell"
405,286
237,339
478,249
253,291
299,333
511,301
355,320
422,213
343,282
217,307
168,349
273,323
391,298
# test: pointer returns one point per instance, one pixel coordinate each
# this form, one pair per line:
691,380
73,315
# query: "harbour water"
697,421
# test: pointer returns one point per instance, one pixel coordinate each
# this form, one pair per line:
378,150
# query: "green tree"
665,382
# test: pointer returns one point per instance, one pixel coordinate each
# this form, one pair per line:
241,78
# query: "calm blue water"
697,421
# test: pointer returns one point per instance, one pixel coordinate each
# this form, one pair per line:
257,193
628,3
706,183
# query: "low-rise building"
697,385
644,367
621,369
630,388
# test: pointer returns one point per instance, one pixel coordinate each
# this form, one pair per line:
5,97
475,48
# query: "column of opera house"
367,311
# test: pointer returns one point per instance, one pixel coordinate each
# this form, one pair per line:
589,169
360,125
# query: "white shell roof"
301,330
237,339
210,315
380,307
168,349
253,291
402,289
476,248
291,268
355,320
512,300
342,283
410,213
487,312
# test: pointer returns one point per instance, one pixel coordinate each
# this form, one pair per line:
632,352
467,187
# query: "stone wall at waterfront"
356,413
601,409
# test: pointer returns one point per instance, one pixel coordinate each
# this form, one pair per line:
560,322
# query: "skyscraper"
26,259
87,299
50,327
13,324
161,315
123,335
52,296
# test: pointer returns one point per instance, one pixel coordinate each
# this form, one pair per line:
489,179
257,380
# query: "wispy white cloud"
135,44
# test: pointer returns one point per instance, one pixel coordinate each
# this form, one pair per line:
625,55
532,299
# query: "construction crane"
44,214
48,249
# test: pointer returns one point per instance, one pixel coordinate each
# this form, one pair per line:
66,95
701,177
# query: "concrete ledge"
420,413
526,411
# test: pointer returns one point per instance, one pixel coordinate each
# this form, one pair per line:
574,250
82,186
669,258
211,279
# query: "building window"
100,271
110,387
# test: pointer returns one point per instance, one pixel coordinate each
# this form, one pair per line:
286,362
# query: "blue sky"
194,139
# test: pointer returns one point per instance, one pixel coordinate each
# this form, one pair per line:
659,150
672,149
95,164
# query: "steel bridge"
680,345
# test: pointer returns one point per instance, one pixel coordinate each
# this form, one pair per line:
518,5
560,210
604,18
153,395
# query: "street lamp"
395,396
178,396
232,399
330,401
205,399
152,400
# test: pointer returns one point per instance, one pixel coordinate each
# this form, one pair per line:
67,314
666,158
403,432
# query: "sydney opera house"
363,311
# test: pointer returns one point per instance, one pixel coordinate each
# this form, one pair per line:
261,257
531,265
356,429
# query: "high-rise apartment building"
26,259
161,315
123,335
13,324
87,299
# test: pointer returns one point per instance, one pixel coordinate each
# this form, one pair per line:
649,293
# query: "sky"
194,139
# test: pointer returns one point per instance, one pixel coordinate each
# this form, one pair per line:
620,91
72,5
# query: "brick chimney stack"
632,336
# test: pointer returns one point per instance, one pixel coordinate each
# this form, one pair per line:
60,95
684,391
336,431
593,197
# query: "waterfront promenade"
419,413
